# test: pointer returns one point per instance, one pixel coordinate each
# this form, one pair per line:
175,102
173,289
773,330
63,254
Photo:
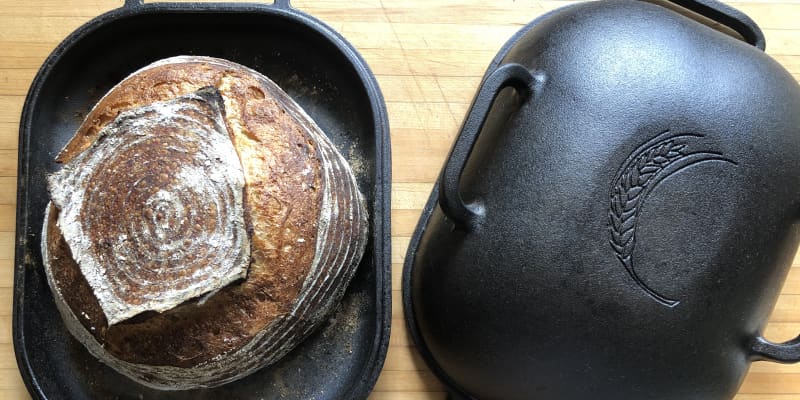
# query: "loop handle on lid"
728,16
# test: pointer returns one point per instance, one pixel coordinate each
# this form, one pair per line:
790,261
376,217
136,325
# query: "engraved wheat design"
635,180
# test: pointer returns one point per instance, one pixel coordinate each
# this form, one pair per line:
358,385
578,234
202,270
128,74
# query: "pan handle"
514,75
285,4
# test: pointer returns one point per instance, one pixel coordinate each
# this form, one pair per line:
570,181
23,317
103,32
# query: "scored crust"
157,199
304,215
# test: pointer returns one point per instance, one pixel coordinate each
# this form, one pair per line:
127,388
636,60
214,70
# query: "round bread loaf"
202,225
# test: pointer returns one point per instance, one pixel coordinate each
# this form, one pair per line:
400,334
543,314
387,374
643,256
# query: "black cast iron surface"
312,63
617,215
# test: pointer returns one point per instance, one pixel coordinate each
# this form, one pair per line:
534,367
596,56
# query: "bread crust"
153,213
305,219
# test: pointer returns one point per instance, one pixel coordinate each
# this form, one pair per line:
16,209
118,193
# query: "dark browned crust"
68,276
282,205
107,210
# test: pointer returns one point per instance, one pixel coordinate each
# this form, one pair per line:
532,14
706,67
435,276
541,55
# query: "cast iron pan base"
312,63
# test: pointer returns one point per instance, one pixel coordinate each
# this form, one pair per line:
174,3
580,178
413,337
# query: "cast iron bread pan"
314,65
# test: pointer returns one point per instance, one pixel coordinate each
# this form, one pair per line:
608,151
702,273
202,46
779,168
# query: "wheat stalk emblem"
644,169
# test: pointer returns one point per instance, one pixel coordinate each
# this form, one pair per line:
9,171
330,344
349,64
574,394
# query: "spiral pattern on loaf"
158,199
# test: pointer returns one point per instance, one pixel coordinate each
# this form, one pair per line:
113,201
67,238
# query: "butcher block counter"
428,57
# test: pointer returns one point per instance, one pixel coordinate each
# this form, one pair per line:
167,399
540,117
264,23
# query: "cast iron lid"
447,227
322,72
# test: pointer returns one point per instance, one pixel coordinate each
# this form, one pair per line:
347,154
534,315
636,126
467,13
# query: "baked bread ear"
178,265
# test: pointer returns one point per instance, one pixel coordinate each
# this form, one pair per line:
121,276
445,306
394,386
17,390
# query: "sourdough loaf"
201,227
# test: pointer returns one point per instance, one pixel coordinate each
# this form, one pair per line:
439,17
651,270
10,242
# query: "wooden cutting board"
428,57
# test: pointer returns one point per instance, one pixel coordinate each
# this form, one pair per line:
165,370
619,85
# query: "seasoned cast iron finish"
617,216
322,73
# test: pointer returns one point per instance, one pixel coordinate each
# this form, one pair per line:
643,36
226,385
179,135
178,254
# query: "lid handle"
763,350
728,16
464,215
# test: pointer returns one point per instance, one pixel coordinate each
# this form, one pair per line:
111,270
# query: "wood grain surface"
428,57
